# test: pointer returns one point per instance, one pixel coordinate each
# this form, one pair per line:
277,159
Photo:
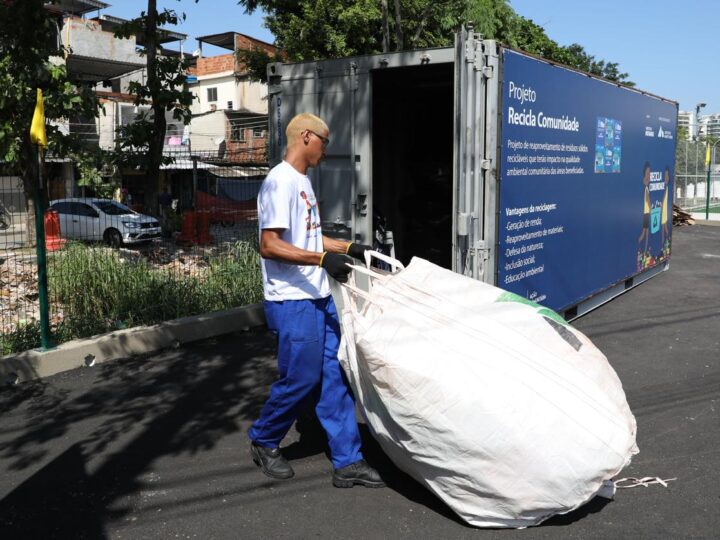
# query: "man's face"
315,144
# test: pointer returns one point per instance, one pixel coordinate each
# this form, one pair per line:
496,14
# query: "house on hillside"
95,57
230,110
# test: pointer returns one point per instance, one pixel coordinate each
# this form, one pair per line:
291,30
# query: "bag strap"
372,273
394,263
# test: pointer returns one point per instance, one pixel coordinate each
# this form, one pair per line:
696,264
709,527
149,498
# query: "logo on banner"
664,133
655,217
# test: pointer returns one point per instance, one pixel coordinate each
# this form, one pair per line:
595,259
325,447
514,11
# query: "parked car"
104,219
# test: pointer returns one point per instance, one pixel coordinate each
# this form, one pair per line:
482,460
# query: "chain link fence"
116,262
691,179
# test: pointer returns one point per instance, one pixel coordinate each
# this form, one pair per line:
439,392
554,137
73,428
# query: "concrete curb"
35,364
711,222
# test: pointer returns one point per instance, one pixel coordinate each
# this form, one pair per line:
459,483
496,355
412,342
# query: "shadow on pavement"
181,404
143,409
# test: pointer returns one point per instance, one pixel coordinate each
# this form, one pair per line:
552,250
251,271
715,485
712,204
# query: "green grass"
93,291
714,208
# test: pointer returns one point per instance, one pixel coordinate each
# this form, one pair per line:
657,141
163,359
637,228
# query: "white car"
103,219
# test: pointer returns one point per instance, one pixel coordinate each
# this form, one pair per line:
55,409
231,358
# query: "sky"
668,47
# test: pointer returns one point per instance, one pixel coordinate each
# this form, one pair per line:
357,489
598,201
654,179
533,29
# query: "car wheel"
113,238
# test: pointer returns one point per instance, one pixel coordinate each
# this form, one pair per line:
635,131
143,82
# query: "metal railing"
695,190
109,268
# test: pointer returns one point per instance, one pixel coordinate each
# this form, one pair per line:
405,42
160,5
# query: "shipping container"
546,181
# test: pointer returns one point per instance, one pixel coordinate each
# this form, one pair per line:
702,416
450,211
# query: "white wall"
243,94
225,84
207,131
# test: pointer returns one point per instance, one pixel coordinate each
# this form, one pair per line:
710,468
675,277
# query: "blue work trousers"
308,338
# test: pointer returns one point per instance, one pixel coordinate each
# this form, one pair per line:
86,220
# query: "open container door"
476,136
331,90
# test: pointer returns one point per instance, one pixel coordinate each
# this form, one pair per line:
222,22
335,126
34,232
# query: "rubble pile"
681,217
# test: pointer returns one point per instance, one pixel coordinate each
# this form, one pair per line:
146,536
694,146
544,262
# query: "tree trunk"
157,139
421,24
399,46
385,26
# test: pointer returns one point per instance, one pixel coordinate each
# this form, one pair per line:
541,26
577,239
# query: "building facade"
711,126
686,123
230,109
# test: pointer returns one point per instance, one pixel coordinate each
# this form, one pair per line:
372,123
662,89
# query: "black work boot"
357,473
271,462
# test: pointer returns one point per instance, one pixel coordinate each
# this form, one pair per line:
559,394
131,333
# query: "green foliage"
310,30
690,156
98,172
142,142
27,43
255,62
99,292
25,337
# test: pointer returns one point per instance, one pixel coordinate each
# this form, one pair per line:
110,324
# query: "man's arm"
333,245
353,249
272,246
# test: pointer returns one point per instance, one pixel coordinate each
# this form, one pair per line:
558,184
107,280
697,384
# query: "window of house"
257,132
237,133
212,94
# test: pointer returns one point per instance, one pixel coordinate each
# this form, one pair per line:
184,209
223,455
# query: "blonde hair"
300,123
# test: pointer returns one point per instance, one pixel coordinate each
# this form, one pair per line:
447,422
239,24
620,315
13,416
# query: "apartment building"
710,126
686,122
95,57
230,110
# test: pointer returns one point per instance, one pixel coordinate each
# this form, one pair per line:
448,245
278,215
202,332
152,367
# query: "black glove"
336,265
358,251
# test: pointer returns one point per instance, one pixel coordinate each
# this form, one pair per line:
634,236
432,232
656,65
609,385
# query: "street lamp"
697,119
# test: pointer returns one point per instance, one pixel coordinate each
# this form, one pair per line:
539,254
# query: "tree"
318,29
497,20
142,142
28,42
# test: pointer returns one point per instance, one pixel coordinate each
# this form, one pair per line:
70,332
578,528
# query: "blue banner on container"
586,182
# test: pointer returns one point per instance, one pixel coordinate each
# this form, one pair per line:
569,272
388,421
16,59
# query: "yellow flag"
707,156
37,128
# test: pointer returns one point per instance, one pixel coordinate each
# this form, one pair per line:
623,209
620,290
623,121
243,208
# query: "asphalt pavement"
156,447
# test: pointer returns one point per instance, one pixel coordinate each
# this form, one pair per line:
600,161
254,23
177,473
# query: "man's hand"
336,265
358,251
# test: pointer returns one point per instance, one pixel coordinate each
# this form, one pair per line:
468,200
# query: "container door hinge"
464,221
362,205
482,250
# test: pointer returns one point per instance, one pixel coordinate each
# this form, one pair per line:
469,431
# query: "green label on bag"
545,312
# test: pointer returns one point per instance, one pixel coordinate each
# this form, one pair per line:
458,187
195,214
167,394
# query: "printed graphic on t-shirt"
312,221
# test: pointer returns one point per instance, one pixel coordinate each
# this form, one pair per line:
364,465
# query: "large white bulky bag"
500,408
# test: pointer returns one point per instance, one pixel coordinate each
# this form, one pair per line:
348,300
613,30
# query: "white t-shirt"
287,201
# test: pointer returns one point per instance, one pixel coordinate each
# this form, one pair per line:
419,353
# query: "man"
646,208
296,261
